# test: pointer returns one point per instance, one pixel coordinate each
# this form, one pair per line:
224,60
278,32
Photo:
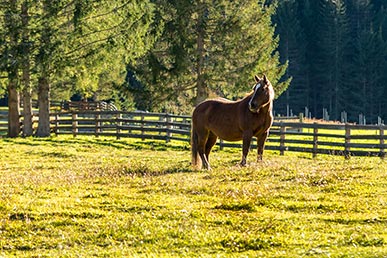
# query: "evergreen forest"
322,56
337,54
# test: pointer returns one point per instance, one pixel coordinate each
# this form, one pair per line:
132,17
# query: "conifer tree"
25,53
75,41
210,48
333,43
292,47
345,56
10,62
369,59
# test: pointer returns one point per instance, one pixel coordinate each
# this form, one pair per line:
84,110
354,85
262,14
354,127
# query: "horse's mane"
248,94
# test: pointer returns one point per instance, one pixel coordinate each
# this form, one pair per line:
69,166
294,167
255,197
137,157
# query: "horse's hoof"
207,168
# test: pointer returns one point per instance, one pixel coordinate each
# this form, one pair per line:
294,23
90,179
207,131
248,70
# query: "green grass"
85,196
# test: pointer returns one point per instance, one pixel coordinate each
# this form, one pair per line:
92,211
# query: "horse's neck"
267,108
270,108
246,99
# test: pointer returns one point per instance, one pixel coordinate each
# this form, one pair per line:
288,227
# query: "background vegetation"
337,52
163,55
72,197
84,196
178,52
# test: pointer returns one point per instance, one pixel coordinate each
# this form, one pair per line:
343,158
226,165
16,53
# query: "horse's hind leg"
210,143
202,143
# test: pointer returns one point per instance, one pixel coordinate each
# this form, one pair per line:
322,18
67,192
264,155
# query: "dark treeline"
337,52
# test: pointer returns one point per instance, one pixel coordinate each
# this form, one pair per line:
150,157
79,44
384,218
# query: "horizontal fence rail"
315,138
142,125
3,124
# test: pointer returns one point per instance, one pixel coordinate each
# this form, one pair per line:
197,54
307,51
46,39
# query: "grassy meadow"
102,197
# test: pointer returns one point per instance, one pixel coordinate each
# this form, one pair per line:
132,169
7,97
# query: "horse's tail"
196,161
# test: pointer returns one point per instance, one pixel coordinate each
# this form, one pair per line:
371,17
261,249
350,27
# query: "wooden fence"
121,124
3,124
315,138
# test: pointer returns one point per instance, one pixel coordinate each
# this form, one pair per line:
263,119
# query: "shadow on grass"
145,169
357,221
236,207
243,244
90,141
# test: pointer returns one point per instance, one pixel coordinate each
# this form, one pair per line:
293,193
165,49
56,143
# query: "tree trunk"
201,87
44,81
27,104
44,107
13,108
201,90
27,112
12,70
27,100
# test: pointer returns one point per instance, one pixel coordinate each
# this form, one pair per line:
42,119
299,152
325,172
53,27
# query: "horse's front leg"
261,145
246,146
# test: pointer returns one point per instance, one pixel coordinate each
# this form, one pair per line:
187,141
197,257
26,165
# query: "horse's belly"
230,134
231,139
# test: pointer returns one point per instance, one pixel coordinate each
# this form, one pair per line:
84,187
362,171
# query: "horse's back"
215,107
219,116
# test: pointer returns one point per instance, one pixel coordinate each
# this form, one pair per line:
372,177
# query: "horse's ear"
265,79
257,79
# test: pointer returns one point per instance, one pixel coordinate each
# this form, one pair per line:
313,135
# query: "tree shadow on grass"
90,141
152,169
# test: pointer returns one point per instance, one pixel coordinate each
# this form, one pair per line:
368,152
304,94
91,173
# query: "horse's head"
263,94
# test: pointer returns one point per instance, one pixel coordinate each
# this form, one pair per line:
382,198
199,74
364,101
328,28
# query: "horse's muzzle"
253,109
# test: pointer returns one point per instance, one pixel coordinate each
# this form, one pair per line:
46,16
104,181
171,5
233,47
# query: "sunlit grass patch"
85,196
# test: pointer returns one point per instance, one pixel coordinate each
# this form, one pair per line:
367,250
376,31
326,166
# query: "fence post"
32,122
282,138
315,139
221,147
168,120
97,124
347,148
56,125
381,133
160,126
118,125
75,124
130,123
142,127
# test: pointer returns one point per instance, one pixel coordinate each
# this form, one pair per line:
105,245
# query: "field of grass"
102,197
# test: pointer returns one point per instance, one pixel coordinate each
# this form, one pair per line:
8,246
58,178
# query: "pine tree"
292,47
10,62
333,43
90,41
345,55
106,36
25,53
309,21
370,55
16,55
210,48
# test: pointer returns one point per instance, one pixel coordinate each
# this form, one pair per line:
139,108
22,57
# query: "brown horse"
232,121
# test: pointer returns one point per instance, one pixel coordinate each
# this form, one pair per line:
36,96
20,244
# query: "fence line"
315,138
